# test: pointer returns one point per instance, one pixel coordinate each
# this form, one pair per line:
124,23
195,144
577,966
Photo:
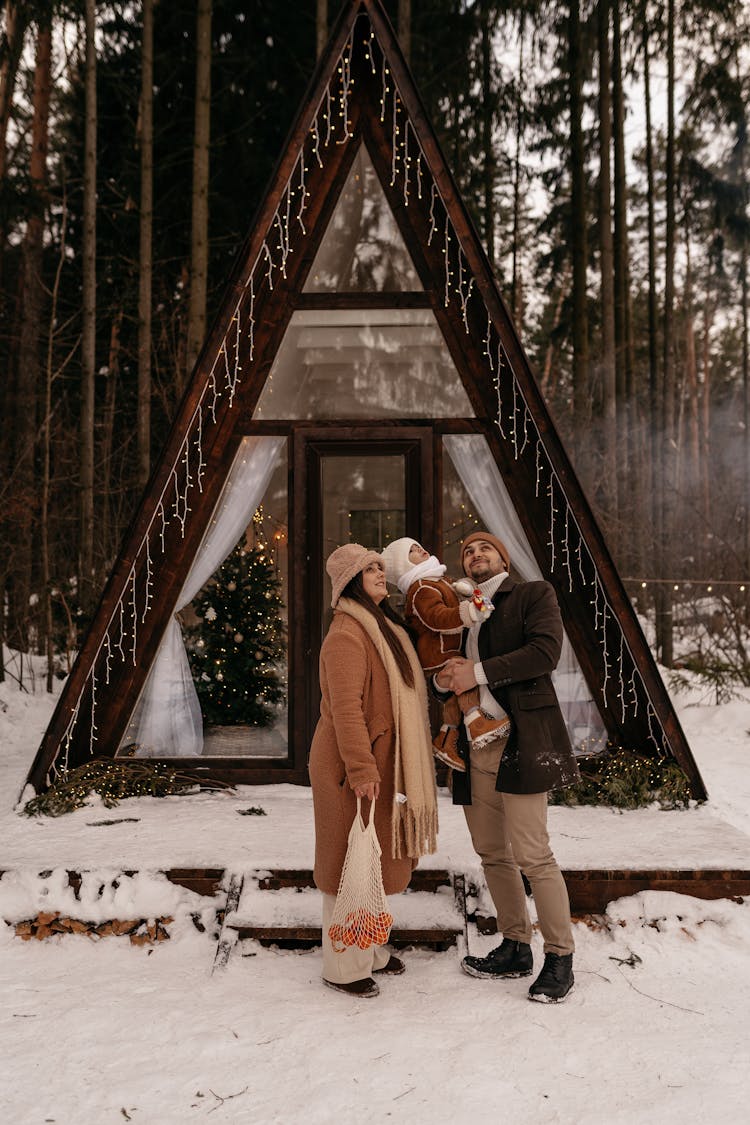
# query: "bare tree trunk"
108,426
742,153
631,452
15,27
88,338
146,245
548,383
579,241
705,413
656,401
174,387
199,232
46,457
669,258
609,406
404,27
746,397
667,484
321,27
16,22
10,53
653,313
516,295
29,356
623,334
488,118
691,456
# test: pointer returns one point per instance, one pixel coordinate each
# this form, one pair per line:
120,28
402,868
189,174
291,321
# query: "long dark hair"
356,591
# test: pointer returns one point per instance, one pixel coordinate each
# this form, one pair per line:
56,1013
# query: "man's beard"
481,573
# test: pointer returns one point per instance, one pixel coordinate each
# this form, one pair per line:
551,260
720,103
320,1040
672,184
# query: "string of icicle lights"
622,684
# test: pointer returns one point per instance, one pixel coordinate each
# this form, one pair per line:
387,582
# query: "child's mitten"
482,606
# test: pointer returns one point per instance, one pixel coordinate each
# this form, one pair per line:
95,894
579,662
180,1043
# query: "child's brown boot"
483,731
445,748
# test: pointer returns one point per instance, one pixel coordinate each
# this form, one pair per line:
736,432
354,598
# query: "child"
438,617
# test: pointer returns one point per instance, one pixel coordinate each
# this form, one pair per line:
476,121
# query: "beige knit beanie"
346,562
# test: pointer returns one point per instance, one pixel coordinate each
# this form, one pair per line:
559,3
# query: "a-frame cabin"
362,380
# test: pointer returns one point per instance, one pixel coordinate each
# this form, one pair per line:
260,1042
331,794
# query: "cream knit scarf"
414,772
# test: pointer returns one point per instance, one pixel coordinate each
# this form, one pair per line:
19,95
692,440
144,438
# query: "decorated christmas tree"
236,649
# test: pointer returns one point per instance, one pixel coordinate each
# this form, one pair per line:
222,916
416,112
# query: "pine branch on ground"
622,779
113,780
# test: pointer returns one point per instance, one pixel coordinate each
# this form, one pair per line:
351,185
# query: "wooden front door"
369,485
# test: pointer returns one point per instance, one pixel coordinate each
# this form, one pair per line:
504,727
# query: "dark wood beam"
337,300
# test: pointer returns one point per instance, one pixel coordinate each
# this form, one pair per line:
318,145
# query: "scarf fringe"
419,833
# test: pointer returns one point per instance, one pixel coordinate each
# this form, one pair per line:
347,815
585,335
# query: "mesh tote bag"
360,915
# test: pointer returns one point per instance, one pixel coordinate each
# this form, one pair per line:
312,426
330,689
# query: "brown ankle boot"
483,731
445,748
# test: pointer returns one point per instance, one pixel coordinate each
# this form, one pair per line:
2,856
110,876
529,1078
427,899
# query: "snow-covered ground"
656,1029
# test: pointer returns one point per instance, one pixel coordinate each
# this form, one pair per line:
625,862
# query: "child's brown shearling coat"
431,610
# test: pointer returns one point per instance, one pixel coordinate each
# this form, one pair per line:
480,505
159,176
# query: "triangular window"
362,250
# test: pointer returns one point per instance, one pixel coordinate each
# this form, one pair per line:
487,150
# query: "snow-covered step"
291,914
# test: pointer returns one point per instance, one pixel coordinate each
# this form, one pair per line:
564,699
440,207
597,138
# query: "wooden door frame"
310,444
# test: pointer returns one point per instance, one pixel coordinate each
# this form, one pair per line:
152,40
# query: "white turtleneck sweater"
487,700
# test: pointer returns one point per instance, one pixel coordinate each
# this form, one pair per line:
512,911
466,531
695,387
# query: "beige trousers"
509,833
354,963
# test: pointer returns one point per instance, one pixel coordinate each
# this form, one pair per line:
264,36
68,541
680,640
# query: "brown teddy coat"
354,743
431,610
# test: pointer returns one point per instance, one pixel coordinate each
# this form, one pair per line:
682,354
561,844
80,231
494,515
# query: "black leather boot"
364,988
511,959
555,980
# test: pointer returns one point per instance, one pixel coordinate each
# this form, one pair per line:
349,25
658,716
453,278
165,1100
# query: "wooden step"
276,879
284,908
590,891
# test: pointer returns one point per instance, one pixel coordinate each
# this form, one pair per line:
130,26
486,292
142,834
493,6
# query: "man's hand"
459,674
442,680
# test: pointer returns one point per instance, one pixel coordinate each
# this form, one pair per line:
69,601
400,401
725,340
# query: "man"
504,792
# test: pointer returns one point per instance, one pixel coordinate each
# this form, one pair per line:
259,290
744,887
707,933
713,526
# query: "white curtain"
167,722
480,476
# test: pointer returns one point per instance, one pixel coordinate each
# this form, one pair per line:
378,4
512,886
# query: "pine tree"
235,651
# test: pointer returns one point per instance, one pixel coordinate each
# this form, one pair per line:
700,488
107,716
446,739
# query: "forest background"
602,149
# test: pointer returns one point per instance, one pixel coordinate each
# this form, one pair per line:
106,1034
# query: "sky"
98,1031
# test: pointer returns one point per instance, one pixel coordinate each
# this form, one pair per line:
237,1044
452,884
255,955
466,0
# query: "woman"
372,741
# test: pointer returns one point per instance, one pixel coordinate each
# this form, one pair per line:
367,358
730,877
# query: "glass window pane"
236,631
362,249
363,363
364,501
459,518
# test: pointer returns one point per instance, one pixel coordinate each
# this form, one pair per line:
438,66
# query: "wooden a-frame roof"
362,92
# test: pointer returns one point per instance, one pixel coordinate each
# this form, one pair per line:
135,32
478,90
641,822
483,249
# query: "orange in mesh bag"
360,916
